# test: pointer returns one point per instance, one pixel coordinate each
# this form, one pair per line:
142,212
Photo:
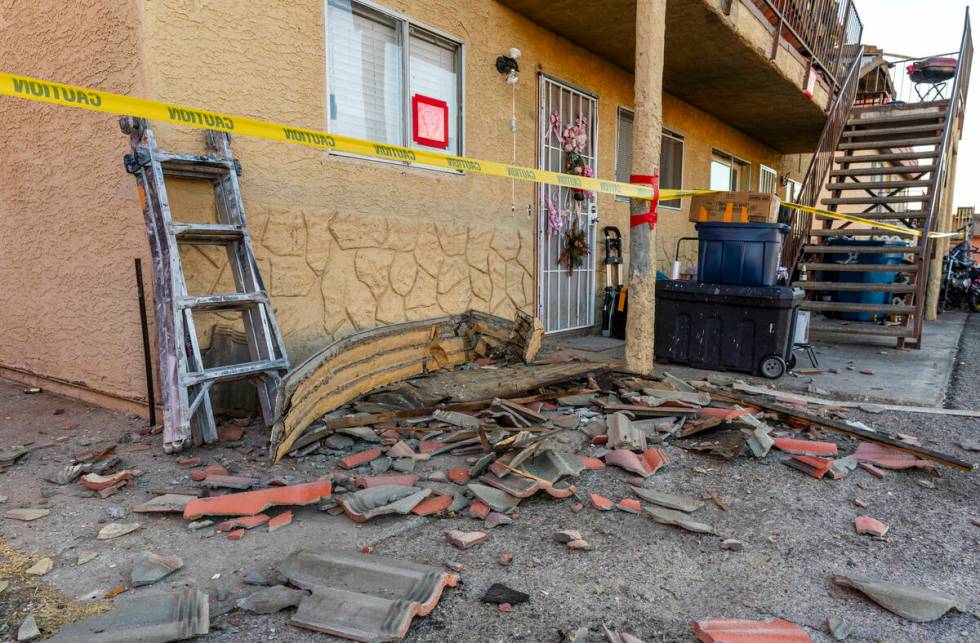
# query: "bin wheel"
791,362
772,366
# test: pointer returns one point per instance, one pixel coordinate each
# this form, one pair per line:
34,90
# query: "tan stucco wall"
70,223
343,243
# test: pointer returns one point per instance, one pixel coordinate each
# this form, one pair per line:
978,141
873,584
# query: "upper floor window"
728,174
671,156
392,81
767,179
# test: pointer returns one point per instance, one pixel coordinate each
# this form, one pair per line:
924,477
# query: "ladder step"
907,250
844,286
862,328
234,372
879,171
876,200
211,303
887,131
858,232
843,307
207,233
192,166
859,267
841,186
896,156
888,144
887,216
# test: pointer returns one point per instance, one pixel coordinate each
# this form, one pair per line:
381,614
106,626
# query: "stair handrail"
821,162
957,103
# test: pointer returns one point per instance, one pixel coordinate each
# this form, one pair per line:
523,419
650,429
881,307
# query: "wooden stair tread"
815,249
843,286
873,171
844,307
858,267
886,131
862,328
875,200
842,186
894,156
889,144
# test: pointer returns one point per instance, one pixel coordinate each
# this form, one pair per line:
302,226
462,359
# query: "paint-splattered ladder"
185,382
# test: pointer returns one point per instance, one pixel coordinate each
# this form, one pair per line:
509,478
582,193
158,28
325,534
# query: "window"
728,174
767,179
671,157
376,63
793,190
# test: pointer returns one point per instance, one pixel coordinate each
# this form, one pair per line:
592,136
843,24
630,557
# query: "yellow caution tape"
71,96
871,223
84,98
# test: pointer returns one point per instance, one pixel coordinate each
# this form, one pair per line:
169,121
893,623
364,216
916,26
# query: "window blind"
365,73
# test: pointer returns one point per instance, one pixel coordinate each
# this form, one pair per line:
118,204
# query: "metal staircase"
892,165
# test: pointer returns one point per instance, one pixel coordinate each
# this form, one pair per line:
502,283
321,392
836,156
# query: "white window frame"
405,25
667,132
793,188
733,160
766,170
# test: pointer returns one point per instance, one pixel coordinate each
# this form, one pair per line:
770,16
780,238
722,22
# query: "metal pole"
147,363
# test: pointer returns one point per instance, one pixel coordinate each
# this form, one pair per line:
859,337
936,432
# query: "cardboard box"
735,207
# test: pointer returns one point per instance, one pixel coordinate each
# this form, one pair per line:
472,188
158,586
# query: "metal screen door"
566,298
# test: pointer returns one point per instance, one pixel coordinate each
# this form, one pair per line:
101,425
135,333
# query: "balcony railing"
824,31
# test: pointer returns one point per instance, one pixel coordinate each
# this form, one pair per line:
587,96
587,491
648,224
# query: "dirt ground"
641,577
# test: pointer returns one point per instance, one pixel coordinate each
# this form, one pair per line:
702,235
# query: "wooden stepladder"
185,383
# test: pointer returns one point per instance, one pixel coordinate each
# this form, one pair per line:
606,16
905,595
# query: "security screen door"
567,133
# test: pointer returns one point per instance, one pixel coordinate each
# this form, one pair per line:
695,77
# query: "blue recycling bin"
876,258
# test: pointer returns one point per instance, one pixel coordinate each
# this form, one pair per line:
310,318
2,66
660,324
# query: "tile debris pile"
381,457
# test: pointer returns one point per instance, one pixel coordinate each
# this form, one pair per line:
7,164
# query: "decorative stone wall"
331,274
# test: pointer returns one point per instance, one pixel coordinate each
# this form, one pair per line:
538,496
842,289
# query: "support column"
647,126
941,245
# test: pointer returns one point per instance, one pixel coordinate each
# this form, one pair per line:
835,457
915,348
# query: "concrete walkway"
910,377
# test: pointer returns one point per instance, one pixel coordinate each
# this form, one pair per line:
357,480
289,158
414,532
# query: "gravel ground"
641,577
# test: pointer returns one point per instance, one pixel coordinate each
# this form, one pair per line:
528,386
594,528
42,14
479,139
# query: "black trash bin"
727,328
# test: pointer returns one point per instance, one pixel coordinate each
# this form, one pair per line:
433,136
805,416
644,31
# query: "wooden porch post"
941,246
648,121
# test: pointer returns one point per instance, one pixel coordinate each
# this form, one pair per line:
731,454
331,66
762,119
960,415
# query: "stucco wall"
343,243
70,223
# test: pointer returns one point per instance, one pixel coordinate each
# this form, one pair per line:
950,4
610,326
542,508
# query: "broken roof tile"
678,519
357,459
381,501
167,503
913,603
280,521
870,526
210,470
154,618
629,505
645,464
364,597
814,466
478,509
872,469
888,457
244,522
250,503
725,415
591,463
216,481
237,534
95,482
522,487
727,630
686,504
465,539
600,502
623,435
805,447
366,482
459,475
431,505
495,498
